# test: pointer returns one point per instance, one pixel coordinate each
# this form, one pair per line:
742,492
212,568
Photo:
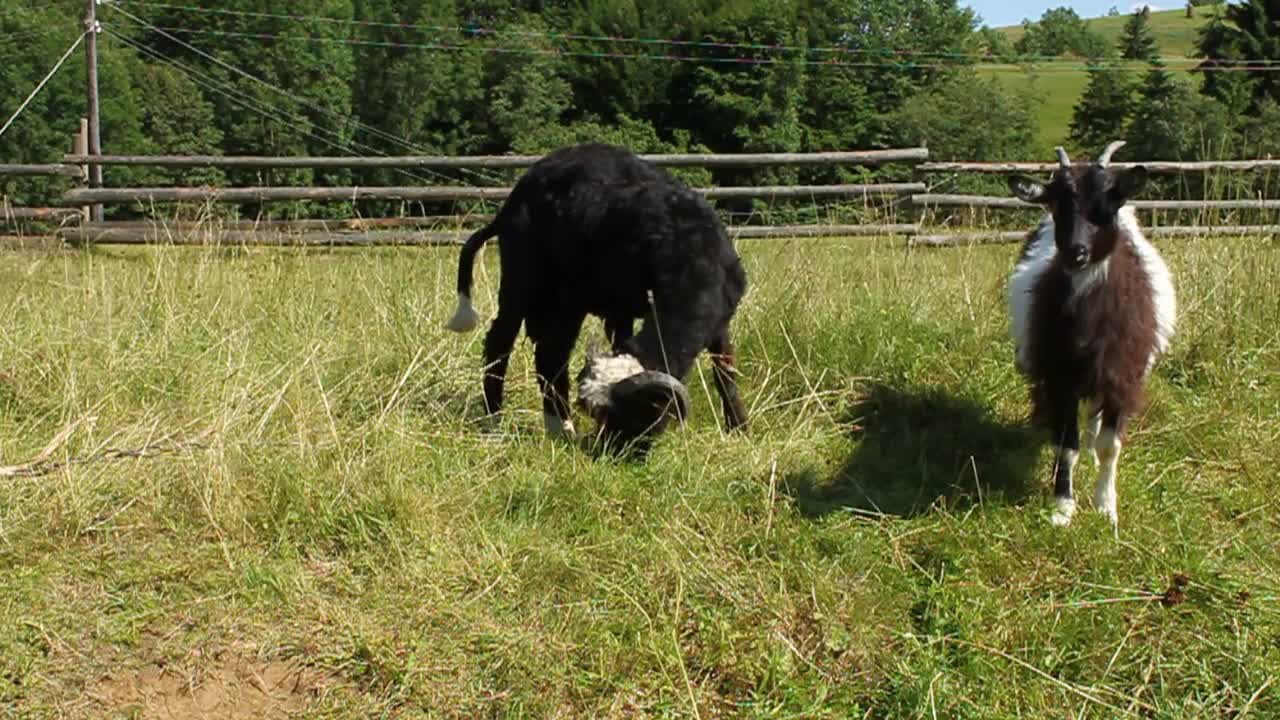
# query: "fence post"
915,215
82,148
94,129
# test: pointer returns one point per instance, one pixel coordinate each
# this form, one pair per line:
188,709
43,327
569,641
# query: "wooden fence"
917,200
33,170
493,162
437,193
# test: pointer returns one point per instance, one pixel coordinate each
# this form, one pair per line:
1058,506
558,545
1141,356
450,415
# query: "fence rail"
1012,203
925,202
160,236
481,162
55,170
160,233
12,214
1158,167
306,225
85,196
109,233
998,237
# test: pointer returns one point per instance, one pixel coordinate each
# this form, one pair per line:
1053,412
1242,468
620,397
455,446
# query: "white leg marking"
1104,495
558,427
464,318
1091,428
1064,508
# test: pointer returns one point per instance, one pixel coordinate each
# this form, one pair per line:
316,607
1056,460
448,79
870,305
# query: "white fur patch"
1091,427
1165,301
1104,494
1025,276
1063,510
1084,281
602,374
465,318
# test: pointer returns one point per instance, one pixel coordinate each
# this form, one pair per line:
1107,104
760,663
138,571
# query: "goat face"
628,402
1084,201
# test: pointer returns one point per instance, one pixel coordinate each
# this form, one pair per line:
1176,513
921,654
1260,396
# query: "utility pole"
95,127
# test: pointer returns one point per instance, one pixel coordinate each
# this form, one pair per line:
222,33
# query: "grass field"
1175,33
1059,90
327,527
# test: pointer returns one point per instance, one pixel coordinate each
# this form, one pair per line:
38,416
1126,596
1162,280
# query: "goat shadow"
916,448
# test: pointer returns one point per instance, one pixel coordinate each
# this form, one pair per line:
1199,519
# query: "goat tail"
465,318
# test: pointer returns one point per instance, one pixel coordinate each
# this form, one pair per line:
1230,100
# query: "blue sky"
997,13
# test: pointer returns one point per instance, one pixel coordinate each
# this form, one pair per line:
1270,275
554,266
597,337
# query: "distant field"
1175,33
1060,90
330,528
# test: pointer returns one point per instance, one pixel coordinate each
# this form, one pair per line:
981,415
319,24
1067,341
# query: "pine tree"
1104,110
1247,30
1154,133
1137,42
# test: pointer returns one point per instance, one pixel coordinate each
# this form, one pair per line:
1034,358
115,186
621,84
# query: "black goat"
1093,307
594,229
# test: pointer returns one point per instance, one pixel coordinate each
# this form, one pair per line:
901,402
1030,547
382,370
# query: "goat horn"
645,401
1105,158
1063,159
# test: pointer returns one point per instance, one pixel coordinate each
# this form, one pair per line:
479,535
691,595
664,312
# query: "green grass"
1055,93
1058,91
877,545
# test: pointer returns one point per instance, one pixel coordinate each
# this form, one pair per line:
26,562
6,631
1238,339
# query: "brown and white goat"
1092,307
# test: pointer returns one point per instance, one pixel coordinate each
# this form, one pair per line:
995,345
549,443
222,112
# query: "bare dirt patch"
233,686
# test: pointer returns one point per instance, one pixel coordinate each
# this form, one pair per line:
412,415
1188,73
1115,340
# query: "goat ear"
1127,184
1026,189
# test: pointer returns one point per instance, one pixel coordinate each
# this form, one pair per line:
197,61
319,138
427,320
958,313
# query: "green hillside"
1058,89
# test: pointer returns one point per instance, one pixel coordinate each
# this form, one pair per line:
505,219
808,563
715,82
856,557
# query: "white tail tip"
465,318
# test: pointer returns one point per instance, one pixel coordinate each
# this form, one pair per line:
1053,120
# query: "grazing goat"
593,229
1092,308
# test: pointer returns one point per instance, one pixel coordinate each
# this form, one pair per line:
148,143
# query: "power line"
274,114
1062,66
376,132
617,39
553,52
43,82
268,112
550,35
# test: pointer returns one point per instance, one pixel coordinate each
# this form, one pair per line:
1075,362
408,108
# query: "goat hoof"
558,428
1112,516
1063,510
